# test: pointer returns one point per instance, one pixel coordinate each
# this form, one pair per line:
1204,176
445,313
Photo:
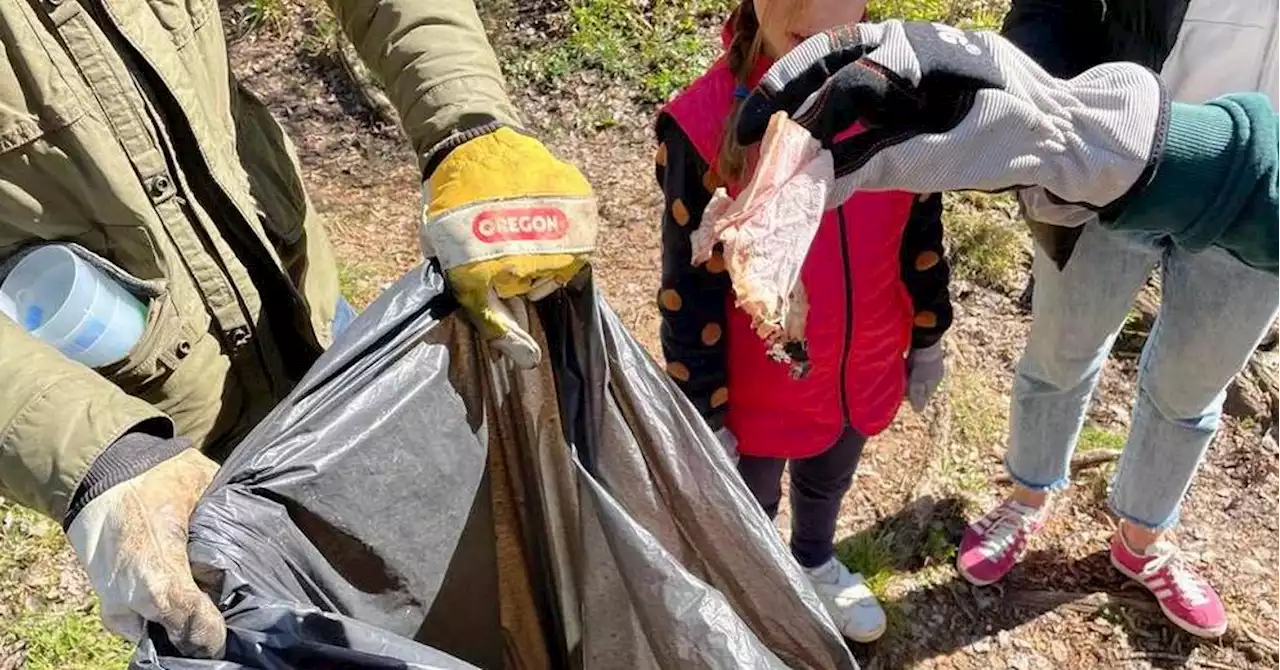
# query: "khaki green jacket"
122,129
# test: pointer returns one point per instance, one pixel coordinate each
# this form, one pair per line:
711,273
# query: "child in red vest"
876,282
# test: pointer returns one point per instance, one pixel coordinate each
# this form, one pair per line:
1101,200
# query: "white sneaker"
848,600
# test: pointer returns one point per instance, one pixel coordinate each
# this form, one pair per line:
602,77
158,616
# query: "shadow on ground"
945,613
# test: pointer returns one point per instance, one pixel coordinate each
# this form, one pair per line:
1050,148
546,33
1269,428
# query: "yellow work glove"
506,219
132,540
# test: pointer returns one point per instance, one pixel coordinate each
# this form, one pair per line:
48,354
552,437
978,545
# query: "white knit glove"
132,540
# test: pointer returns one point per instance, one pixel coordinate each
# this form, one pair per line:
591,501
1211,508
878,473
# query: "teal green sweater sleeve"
1215,184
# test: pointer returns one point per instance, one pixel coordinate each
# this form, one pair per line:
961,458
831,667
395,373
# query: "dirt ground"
1064,607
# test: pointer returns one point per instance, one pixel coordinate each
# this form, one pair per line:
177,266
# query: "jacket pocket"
16,127
166,339
39,112
34,97
182,18
24,120
165,342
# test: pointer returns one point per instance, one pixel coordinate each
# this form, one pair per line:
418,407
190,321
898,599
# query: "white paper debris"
766,232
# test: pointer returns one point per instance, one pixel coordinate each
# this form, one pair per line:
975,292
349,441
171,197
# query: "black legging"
818,484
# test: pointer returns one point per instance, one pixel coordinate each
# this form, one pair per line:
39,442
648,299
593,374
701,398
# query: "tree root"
364,82
1075,601
1164,656
1077,464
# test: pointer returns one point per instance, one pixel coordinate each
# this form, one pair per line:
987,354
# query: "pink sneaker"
1183,595
995,543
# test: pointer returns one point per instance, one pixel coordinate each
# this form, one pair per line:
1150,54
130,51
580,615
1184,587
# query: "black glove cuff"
1112,210
131,455
465,132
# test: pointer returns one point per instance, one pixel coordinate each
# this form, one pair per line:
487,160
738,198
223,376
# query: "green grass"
359,284
979,422
967,14
262,14
657,47
938,548
1093,438
871,554
988,244
962,473
876,556
27,539
69,640
979,413
884,558
1133,333
57,627
320,34
1097,480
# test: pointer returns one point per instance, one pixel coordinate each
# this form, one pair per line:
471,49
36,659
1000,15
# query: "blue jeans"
1213,313
343,315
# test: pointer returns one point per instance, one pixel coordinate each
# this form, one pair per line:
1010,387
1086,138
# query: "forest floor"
588,78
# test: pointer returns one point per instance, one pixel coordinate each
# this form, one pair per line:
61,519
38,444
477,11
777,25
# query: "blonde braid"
743,50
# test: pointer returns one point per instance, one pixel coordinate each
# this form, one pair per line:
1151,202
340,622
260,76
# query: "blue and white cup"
73,306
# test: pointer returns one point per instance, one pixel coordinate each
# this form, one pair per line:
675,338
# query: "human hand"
925,369
943,109
507,219
132,540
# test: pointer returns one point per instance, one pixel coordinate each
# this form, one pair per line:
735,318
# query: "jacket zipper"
848,314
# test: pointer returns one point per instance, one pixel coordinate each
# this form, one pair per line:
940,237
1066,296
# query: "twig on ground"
1253,645
963,606
922,499
364,83
1077,464
14,658
1270,646
1075,601
938,428
1161,656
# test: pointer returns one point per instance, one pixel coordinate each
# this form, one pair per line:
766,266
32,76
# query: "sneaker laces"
1007,520
1185,580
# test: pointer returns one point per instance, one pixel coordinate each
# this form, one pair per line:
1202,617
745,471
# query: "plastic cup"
62,299
7,308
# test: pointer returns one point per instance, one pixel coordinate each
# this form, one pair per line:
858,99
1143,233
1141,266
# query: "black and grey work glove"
945,109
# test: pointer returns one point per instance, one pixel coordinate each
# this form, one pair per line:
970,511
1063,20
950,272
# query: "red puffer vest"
859,323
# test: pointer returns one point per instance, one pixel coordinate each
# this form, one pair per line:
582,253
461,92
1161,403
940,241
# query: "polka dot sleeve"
925,271
693,301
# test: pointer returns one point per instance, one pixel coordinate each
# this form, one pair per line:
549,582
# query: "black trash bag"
418,503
